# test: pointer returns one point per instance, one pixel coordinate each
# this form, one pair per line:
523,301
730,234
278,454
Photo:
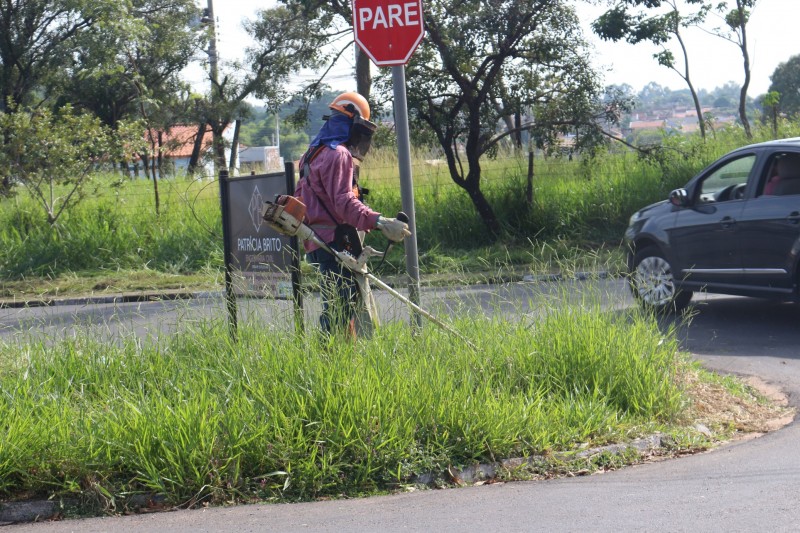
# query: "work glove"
393,229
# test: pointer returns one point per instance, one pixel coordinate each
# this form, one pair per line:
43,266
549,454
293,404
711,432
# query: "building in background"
259,159
171,150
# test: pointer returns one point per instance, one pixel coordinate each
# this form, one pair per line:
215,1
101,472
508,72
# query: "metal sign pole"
406,184
296,245
230,296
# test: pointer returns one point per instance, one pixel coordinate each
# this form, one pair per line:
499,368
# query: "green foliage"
195,418
39,39
133,67
585,201
588,199
771,105
53,154
660,28
786,82
260,129
283,43
384,137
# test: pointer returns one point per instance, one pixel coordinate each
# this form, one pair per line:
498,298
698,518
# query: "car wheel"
653,283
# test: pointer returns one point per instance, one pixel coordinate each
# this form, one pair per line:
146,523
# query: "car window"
782,176
728,181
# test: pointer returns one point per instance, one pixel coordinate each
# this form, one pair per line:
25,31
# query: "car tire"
653,283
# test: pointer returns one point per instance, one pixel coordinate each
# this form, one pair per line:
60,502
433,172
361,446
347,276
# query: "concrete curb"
578,276
486,472
39,510
131,297
28,511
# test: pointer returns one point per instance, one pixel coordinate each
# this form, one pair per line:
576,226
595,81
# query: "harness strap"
309,156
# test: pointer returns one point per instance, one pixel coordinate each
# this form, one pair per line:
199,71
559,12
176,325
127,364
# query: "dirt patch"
753,408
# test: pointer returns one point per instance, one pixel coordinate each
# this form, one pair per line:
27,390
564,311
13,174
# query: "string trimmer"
286,215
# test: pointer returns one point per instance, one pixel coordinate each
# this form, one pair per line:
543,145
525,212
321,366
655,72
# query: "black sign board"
261,261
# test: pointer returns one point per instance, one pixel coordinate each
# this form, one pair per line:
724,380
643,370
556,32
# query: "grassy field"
194,418
114,241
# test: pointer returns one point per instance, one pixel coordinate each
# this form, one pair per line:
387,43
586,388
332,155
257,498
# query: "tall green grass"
585,200
115,227
196,418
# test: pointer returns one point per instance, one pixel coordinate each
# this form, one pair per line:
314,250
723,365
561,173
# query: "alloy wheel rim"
654,283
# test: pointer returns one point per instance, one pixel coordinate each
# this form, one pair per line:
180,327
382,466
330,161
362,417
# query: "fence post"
529,188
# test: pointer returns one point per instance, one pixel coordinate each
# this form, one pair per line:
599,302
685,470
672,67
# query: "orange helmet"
350,104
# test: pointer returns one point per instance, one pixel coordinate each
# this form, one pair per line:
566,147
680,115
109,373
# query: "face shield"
360,137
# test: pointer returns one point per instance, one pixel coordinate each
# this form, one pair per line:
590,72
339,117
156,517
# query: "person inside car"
786,176
772,182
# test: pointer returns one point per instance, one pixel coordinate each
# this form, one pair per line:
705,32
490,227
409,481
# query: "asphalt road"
745,486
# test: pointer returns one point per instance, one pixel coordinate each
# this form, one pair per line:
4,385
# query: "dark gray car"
733,229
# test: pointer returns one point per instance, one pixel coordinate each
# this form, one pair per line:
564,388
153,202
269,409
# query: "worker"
328,187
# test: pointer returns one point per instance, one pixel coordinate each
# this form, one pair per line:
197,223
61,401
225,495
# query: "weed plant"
195,417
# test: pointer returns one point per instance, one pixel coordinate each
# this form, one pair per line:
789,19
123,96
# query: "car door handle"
794,217
727,222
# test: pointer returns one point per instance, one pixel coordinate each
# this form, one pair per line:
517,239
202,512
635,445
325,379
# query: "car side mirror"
679,198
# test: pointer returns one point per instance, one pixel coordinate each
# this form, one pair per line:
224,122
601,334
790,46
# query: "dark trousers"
339,292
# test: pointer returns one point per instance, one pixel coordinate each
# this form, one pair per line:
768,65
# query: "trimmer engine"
285,215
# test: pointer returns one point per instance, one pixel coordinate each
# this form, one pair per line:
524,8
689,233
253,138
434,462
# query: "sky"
772,35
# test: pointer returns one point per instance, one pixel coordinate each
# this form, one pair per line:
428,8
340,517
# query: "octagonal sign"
388,30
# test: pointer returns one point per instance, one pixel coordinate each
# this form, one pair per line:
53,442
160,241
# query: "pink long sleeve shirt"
330,180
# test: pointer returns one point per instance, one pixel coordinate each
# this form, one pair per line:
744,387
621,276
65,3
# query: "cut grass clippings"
196,419
103,283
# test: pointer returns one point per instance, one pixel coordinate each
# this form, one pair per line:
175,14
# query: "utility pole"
212,46
213,64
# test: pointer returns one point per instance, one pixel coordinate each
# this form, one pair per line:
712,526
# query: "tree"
618,23
37,40
333,17
722,102
482,62
38,37
771,104
285,42
53,154
735,31
262,128
114,73
786,81
120,75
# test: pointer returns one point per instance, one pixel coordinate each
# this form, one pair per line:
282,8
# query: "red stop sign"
388,30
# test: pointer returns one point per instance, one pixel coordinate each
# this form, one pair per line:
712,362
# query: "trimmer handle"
402,217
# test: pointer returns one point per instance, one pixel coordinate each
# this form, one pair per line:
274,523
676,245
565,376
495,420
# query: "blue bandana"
334,132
